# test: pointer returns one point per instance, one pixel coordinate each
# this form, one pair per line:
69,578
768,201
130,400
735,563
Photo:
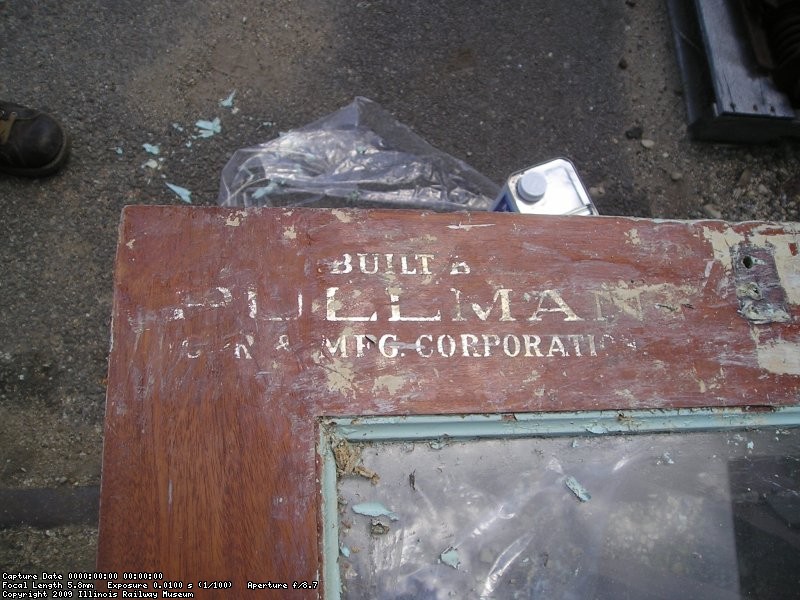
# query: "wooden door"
237,334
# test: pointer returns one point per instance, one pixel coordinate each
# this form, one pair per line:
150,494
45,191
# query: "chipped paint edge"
779,356
332,583
515,425
410,428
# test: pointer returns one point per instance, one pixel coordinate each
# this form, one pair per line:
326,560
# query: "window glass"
659,515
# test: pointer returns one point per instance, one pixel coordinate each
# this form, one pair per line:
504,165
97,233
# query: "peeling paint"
290,233
786,263
343,216
721,243
235,219
576,488
761,315
340,378
241,351
781,357
252,303
450,557
131,243
633,237
374,509
391,383
633,300
625,394
226,295
713,383
532,377
468,227
596,429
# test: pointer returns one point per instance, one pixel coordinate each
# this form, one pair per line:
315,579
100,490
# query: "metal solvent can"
550,188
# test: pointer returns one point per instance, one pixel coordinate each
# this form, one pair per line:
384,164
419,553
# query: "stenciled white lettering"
334,305
392,348
499,309
394,298
423,350
537,310
370,264
466,345
560,306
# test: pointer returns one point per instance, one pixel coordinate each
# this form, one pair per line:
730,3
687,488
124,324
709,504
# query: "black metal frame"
729,97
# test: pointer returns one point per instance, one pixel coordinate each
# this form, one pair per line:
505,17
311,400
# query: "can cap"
532,186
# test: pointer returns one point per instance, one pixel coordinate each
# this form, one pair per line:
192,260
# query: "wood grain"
234,332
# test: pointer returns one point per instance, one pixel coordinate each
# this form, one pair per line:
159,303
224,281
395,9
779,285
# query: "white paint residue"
137,324
626,395
290,233
468,227
390,383
226,295
241,351
252,302
192,301
283,342
235,219
532,377
721,243
177,314
789,274
343,216
633,237
340,375
194,353
779,356
462,268
786,263
635,300
131,243
712,383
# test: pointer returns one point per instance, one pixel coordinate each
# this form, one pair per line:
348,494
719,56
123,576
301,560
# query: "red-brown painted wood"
235,331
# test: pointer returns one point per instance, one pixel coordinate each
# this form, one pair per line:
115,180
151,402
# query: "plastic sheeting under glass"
693,515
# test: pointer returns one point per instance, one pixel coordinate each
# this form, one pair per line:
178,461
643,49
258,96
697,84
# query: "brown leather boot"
32,143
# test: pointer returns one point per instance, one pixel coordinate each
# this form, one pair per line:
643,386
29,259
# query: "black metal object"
729,96
783,28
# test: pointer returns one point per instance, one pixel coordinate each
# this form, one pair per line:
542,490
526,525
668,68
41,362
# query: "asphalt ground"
501,84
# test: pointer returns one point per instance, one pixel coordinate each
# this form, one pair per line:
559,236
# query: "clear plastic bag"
358,156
